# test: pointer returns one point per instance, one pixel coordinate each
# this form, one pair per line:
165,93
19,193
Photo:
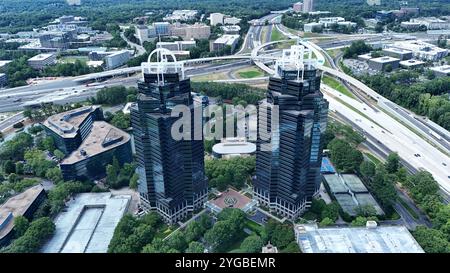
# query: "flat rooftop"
411,62
103,137
384,59
397,50
231,148
88,224
41,57
380,239
17,205
67,123
443,69
227,39
3,63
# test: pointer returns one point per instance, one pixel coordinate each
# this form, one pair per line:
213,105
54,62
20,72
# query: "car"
444,164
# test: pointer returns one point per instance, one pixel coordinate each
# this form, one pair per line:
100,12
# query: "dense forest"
35,13
26,14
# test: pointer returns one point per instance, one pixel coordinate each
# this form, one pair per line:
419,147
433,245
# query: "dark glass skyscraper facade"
171,172
289,152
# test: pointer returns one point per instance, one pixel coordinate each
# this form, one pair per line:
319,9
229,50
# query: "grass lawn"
255,227
276,35
373,158
333,52
338,86
210,77
249,73
73,59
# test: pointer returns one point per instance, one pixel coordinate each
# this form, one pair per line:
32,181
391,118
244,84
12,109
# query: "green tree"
37,233
431,240
19,167
326,222
195,247
21,225
60,155
177,241
193,231
134,181
331,211
367,169
392,163
251,244
9,167
54,174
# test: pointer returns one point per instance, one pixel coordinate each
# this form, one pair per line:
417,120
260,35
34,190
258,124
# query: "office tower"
171,172
289,144
308,6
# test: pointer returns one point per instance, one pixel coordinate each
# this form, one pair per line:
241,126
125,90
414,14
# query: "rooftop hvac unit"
371,224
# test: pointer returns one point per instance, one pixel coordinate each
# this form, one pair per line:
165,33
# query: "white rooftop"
3,63
227,39
231,148
411,63
384,59
443,68
88,224
41,57
397,50
369,239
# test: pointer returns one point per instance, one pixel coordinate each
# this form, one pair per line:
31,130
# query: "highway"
395,136
73,90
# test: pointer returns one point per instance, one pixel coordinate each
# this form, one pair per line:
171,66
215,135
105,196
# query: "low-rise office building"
117,59
382,63
421,50
433,23
233,29
369,239
312,27
103,143
216,19
42,60
177,45
88,142
330,21
231,20
224,41
22,204
69,129
398,53
441,71
190,32
412,64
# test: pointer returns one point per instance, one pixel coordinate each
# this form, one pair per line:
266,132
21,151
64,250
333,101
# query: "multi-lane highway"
393,135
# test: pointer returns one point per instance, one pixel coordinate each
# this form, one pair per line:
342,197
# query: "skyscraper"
308,6
171,172
289,144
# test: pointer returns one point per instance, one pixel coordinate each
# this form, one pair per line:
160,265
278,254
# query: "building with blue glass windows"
171,172
291,123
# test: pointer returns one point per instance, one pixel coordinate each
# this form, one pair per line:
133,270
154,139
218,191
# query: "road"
9,122
140,50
